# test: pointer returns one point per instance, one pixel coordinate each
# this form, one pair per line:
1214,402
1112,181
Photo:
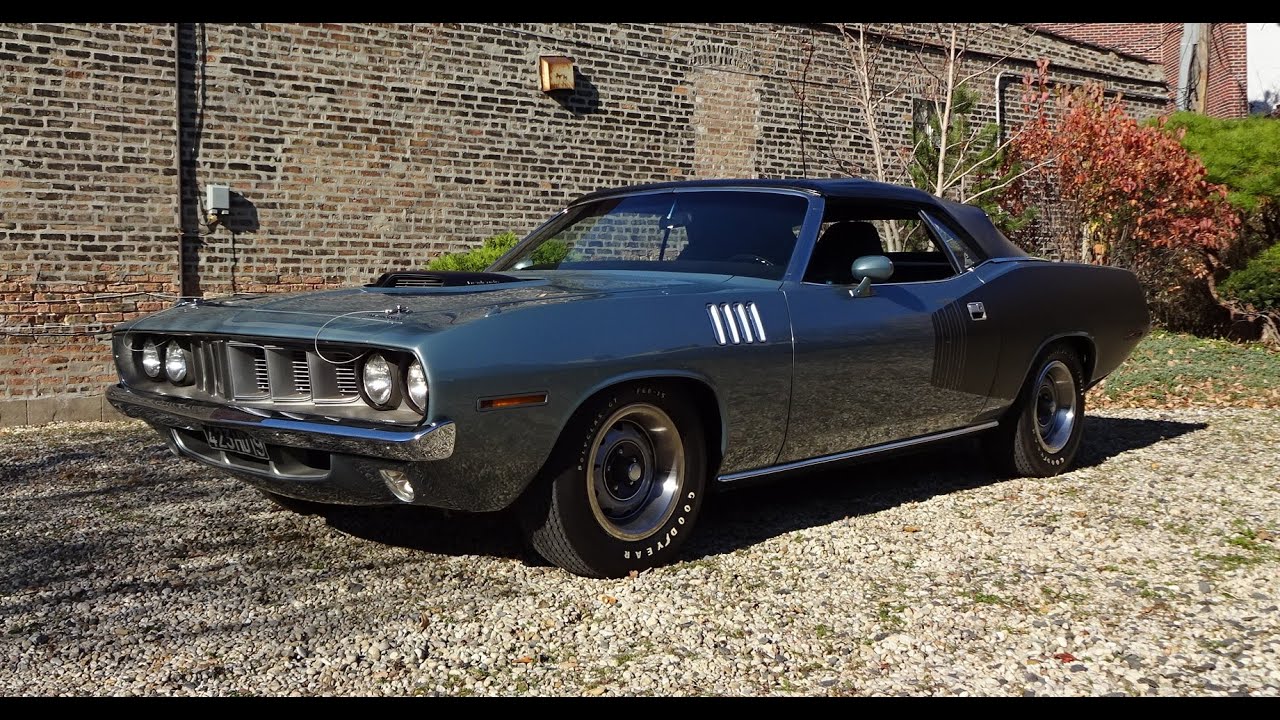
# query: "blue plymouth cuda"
642,348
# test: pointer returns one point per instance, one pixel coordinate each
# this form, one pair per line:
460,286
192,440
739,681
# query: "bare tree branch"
945,121
862,66
989,157
1010,180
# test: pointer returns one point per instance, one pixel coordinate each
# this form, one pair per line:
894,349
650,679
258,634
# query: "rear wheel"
624,485
1042,433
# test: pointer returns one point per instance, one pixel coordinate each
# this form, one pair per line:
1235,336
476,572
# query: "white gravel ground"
1150,570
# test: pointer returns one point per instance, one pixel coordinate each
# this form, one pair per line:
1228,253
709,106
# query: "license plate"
236,442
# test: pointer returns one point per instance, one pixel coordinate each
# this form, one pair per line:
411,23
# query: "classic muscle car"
643,347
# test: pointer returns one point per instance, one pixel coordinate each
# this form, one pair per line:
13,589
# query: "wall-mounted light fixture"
555,72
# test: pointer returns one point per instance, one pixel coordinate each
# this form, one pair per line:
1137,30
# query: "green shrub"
1241,153
1244,155
1258,283
477,259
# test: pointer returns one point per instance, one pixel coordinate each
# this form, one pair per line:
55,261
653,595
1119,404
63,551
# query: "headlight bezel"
395,375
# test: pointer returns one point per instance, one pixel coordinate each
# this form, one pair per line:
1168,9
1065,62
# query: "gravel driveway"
1150,570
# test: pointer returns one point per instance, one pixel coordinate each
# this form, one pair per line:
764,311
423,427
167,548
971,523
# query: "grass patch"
1247,550
1233,561
1176,370
987,598
890,614
1063,595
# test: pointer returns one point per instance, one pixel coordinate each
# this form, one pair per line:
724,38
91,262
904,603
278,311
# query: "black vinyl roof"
830,187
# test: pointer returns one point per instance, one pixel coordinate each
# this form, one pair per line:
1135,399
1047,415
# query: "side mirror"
868,268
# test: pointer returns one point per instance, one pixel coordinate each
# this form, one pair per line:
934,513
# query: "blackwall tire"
1041,435
624,486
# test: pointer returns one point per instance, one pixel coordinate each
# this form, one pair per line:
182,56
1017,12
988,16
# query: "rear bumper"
323,461
431,442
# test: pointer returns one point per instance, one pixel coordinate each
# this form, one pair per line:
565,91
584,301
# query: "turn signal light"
510,401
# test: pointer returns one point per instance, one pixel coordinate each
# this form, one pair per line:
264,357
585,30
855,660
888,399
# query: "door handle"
977,311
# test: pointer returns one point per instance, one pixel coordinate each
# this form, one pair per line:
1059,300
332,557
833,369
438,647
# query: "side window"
920,248
964,257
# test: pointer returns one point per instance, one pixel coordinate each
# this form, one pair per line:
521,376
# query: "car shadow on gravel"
1106,437
754,514
431,530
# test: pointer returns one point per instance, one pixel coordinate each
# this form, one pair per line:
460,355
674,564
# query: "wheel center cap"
634,472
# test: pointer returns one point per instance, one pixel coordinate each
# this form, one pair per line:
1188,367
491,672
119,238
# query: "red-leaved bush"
1131,194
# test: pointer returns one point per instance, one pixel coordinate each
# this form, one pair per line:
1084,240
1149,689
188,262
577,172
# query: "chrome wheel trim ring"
1055,406
635,471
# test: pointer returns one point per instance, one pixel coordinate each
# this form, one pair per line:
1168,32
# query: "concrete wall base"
44,410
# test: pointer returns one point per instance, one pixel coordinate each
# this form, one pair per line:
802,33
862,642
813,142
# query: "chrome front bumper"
429,442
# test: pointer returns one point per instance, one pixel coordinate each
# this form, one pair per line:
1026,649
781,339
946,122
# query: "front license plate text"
236,442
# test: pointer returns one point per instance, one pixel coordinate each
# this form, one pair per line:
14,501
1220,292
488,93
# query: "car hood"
363,313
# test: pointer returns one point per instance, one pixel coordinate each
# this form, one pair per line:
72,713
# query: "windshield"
729,232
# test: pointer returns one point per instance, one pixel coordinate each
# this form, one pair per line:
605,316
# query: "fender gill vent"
736,323
948,346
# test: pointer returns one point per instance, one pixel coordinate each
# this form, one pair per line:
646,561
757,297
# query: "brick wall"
87,186
353,149
1227,92
1144,40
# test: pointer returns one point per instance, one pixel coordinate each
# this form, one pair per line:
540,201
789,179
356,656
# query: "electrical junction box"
555,72
219,199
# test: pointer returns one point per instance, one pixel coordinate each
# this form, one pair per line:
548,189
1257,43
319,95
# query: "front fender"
567,352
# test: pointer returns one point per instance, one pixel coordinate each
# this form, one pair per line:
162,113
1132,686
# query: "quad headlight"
390,380
151,362
175,362
416,385
379,382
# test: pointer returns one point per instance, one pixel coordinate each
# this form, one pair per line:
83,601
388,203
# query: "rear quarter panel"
1035,302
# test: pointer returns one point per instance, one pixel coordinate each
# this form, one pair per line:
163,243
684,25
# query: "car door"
908,360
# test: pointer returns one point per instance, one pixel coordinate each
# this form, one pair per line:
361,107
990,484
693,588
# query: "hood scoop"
431,278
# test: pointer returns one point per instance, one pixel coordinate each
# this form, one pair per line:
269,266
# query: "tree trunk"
1245,324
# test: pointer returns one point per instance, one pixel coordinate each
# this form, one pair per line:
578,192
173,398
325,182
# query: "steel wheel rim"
635,472
1055,406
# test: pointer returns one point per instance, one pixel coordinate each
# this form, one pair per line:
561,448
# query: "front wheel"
1042,433
624,485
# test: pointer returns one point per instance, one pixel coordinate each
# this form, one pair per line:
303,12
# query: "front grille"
344,377
234,370
301,373
261,379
